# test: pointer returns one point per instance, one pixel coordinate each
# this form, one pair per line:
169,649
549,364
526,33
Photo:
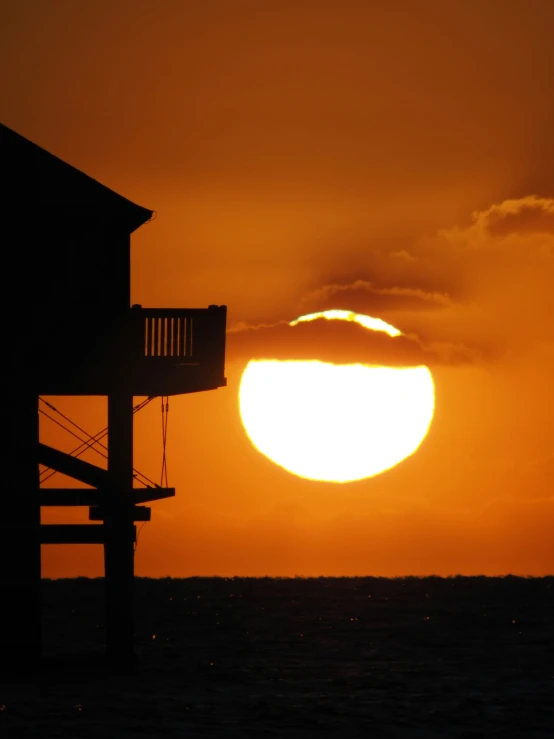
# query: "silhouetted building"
69,329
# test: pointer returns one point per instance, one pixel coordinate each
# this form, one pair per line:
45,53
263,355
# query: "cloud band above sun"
341,341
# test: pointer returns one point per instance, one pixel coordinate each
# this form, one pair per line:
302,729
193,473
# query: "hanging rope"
165,416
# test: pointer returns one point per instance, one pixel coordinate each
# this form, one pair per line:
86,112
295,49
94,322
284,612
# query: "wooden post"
120,533
20,598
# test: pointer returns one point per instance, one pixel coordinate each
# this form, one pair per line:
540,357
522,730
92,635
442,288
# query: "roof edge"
133,214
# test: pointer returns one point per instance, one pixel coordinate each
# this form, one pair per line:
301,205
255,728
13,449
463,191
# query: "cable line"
92,440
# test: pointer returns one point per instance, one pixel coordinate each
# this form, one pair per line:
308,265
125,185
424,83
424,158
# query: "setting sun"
336,422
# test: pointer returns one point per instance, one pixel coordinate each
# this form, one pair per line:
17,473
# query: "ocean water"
374,657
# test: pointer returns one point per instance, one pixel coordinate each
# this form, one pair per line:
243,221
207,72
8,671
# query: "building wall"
79,295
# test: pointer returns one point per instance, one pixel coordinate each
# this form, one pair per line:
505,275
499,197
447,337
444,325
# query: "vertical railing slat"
156,337
190,348
179,334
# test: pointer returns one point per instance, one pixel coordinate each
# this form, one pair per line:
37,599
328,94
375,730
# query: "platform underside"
144,379
145,352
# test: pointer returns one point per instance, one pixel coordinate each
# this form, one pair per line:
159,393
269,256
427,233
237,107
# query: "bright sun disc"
336,422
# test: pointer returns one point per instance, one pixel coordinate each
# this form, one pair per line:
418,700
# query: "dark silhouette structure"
68,329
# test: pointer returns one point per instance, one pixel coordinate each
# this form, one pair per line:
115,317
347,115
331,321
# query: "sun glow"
336,422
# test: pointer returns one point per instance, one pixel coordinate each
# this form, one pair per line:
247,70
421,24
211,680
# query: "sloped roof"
37,182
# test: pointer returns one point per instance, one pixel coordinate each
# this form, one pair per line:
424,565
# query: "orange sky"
392,158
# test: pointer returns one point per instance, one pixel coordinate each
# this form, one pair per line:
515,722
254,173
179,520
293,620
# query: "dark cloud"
518,221
466,294
363,296
451,294
341,342
530,215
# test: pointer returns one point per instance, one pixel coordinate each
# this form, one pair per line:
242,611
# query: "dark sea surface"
462,657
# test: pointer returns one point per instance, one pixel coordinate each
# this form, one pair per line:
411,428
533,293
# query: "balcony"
178,350
152,351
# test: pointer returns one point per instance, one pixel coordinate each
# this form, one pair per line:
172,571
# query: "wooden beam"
88,473
146,495
94,497
73,533
138,513
70,497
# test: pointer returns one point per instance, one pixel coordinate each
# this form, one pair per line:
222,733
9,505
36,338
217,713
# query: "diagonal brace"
88,473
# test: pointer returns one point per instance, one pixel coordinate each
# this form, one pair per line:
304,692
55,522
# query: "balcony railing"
153,351
182,338
168,334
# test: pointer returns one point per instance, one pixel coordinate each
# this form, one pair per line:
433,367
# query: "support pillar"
20,573
120,533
